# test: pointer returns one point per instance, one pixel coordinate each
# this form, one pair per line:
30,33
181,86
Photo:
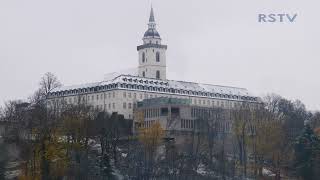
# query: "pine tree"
306,147
106,168
3,160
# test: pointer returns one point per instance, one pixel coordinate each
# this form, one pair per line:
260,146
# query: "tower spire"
151,18
152,22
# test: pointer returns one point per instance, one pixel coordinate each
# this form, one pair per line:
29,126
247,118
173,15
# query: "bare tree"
1,113
241,120
315,120
48,82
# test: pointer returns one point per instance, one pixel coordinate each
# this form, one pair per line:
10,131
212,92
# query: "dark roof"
151,33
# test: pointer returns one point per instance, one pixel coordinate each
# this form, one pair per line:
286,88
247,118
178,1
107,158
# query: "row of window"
206,113
141,81
125,105
151,113
187,124
90,98
148,124
224,127
54,103
222,104
144,59
157,74
185,92
141,96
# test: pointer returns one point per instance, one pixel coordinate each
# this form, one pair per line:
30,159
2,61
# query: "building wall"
150,66
114,100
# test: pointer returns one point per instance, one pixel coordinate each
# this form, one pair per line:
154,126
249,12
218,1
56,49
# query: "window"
143,57
157,56
129,94
164,112
124,94
158,74
124,105
129,106
113,105
143,74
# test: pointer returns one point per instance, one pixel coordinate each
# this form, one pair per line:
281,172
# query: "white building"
120,92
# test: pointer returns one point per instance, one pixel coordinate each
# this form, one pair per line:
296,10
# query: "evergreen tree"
106,168
3,159
306,147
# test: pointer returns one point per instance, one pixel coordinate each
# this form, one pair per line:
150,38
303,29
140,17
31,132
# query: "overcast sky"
209,41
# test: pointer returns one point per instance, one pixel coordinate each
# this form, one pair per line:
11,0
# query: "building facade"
120,92
181,115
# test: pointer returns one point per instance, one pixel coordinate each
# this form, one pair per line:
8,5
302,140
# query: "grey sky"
209,41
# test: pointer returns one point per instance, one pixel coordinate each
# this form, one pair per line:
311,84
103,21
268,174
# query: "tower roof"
152,31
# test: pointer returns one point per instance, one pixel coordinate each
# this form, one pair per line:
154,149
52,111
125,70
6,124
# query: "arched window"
158,74
143,74
158,57
143,57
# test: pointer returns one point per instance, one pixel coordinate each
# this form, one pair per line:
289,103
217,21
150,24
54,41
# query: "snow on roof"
208,88
107,78
80,86
111,76
114,78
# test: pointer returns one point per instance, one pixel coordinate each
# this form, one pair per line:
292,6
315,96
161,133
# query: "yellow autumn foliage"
54,153
151,137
